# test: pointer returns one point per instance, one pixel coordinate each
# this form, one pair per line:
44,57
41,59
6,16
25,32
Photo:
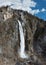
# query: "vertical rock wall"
35,38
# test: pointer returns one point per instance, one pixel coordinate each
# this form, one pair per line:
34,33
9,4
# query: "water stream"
22,52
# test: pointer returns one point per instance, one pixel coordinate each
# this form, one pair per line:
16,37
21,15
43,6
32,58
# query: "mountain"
34,35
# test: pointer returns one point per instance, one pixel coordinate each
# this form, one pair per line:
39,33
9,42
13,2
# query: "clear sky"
35,7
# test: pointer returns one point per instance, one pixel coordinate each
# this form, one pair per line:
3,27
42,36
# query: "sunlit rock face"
34,30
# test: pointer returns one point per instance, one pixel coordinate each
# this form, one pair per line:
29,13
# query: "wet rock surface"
35,38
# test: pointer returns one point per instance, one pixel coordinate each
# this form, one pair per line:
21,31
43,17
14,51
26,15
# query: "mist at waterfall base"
22,52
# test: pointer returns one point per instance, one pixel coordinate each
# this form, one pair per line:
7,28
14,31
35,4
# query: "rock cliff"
34,33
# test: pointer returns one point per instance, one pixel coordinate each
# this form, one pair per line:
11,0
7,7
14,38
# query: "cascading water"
22,42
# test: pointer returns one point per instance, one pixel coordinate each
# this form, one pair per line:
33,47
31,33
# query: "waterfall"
22,42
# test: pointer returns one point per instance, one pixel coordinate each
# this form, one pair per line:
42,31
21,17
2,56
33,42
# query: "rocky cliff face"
34,33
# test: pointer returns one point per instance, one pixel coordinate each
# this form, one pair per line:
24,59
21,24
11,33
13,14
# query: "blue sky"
35,7
41,4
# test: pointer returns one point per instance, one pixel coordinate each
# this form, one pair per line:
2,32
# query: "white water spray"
22,42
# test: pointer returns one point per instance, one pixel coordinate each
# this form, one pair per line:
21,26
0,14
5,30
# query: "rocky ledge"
35,37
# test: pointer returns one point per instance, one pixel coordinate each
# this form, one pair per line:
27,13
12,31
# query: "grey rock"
34,32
